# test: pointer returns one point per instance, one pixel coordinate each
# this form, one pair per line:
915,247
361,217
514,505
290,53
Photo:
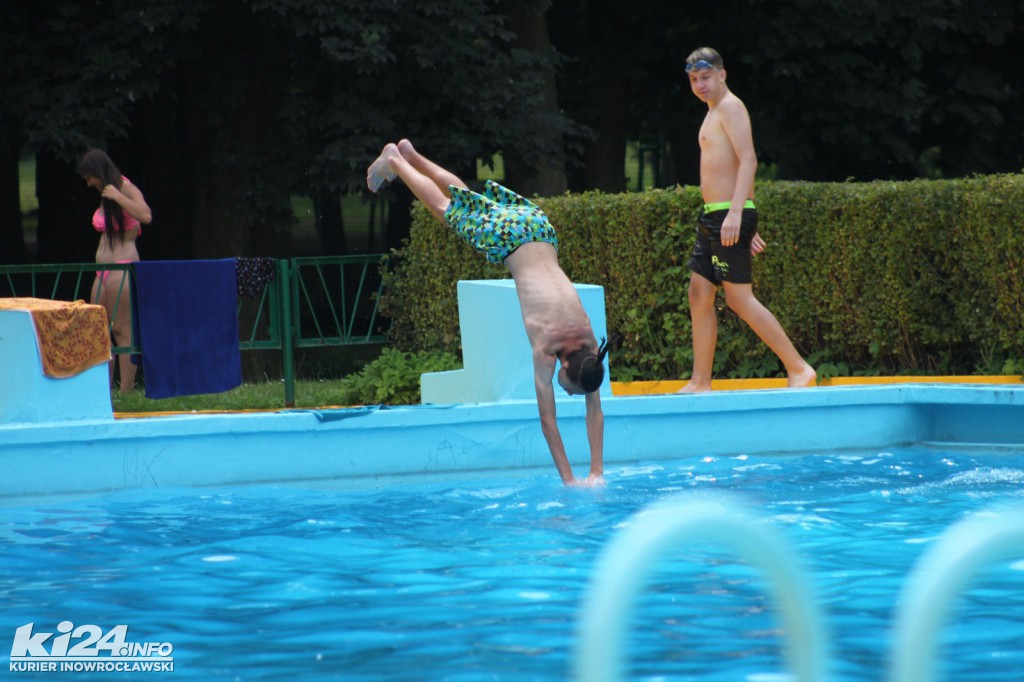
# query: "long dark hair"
586,368
97,164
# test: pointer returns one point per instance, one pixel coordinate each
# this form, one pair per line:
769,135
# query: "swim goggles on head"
699,65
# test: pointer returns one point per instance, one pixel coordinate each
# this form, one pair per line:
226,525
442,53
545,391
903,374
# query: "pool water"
483,580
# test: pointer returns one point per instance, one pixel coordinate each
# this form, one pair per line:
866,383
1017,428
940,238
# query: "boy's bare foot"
406,149
805,377
692,387
379,173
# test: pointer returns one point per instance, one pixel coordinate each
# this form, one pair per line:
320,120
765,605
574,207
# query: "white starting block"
28,396
496,356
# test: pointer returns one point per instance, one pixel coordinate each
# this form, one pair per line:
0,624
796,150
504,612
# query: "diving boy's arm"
543,370
595,436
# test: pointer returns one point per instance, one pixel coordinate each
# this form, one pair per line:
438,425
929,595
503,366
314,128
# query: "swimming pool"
431,543
483,580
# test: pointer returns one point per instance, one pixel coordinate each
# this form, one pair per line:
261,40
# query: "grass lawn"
263,396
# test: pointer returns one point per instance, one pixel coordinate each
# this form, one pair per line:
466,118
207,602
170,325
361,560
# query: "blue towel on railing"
187,314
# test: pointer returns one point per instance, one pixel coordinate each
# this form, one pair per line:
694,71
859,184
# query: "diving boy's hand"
592,481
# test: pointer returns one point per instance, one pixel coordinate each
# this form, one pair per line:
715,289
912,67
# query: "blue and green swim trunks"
497,222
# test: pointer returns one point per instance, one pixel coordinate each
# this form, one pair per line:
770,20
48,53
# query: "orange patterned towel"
72,336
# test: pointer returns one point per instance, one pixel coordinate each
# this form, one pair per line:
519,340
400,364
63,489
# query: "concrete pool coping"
372,446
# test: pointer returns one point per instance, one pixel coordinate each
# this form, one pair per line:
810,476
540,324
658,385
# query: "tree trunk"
66,205
330,223
12,237
685,152
164,159
396,224
548,178
605,157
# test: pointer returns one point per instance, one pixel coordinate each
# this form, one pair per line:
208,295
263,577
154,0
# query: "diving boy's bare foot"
803,378
380,173
692,387
406,149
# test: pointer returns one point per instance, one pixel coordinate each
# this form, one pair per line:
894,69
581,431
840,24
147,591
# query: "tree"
876,89
606,59
222,111
464,90
836,89
72,73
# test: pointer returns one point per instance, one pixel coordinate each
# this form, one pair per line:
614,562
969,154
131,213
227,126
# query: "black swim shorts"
718,263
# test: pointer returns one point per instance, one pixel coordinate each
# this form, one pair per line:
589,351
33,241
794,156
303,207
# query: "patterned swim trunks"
497,222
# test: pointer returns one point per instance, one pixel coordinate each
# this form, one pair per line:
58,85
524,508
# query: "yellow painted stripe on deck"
673,385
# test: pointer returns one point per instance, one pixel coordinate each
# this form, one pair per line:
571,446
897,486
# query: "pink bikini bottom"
102,275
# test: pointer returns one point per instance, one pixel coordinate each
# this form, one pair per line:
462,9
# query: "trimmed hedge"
922,277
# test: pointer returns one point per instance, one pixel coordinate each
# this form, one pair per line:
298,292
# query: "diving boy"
508,229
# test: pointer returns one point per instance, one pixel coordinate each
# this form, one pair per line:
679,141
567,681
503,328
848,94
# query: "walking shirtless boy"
727,235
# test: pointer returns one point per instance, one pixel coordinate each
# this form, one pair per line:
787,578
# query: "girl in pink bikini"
119,221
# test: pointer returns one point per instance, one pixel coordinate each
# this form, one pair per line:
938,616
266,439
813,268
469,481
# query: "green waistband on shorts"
724,206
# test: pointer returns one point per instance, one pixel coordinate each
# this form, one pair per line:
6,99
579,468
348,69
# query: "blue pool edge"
371,446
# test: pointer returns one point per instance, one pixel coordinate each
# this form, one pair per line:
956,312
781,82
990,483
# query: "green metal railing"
66,282
311,302
325,283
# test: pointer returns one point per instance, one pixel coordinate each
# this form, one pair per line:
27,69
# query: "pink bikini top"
99,222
